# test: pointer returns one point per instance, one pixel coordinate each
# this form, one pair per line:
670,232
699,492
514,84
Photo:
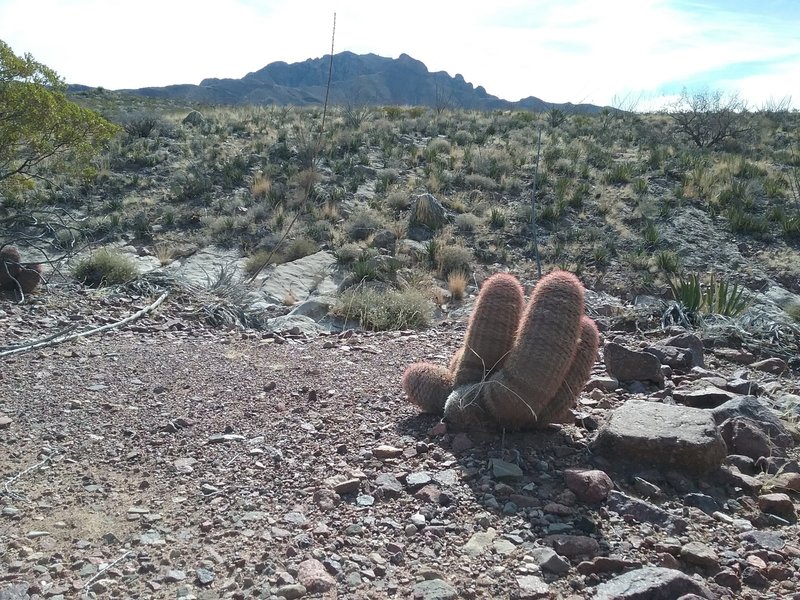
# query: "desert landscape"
204,328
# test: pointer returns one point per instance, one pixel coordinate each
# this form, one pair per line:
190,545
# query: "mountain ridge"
361,79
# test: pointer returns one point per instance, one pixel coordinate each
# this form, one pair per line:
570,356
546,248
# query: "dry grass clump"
453,258
384,310
105,267
457,284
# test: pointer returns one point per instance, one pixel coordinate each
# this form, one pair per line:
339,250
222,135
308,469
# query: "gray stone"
690,342
204,576
700,554
15,591
479,542
663,435
549,560
174,576
434,589
389,485
313,275
303,325
573,545
502,469
708,396
644,512
753,409
677,358
629,365
428,212
291,591
194,118
531,587
650,583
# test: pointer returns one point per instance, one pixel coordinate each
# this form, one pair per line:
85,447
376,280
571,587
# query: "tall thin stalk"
317,148
533,205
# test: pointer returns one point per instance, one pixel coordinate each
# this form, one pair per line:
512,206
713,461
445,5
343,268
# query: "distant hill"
359,79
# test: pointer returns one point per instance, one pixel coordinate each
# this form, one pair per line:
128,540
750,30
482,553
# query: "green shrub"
384,310
466,223
619,173
298,248
668,260
475,181
453,258
497,219
105,267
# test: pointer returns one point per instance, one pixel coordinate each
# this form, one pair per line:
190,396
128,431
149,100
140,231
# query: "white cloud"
576,50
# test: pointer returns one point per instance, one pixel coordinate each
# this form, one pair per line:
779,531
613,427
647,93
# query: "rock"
385,451
644,512
662,435
418,479
778,504
291,591
15,591
606,564
628,365
705,503
650,583
194,118
743,436
502,469
434,589
204,576
460,443
5,421
727,578
312,574
764,539
588,485
313,275
531,587
705,397
299,324
573,545
384,239
389,485
428,212
602,383
752,408
342,484
479,542
690,342
676,358
700,554
174,576
549,560
775,365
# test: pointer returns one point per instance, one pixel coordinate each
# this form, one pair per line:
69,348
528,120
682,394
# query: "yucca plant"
723,299
718,297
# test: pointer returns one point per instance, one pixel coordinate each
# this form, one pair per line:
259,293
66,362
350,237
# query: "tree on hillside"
38,123
710,117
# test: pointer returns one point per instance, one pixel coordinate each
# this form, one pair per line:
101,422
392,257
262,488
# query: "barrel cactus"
521,367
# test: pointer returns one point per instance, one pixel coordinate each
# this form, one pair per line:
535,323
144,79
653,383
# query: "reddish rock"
312,574
778,504
606,564
460,443
700,554
774,365
588,485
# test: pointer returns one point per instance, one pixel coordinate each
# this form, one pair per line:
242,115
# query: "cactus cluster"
520,367
16,275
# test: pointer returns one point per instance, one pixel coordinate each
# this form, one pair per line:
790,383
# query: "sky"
633,54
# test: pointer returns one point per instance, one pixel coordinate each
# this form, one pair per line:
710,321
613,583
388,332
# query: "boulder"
650,583
629,365
662,435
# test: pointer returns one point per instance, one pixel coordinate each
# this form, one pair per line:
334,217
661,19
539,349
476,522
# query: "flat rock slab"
650,583
312,275
662,435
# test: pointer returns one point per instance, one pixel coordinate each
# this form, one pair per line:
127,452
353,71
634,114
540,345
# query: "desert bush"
384,310
741,221
467,222
348,253
362,224
105,267
475,181
619,173
398,201
298,248
497,219
709,118
453,258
